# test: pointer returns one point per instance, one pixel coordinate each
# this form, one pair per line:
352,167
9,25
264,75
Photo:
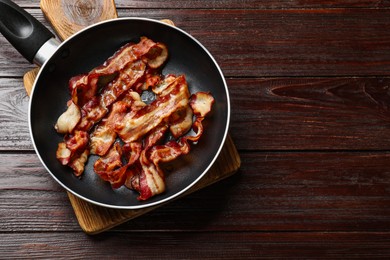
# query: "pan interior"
91,48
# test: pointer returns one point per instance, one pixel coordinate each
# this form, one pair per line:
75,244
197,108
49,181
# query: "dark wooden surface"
310,93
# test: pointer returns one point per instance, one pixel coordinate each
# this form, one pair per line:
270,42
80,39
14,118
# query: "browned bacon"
110,167
136,125
151,179
107,117
74,151
96,108
84,87
181,121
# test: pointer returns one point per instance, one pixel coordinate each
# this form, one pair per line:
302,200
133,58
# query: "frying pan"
90,48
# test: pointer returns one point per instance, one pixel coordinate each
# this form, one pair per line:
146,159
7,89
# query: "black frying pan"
90,48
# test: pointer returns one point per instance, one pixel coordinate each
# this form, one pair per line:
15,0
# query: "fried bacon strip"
94,110
69,119
110,167
84,87
150,180
74,151
104,134
136,125
181,121
106,105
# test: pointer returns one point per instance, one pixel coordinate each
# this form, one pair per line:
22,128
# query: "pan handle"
24,32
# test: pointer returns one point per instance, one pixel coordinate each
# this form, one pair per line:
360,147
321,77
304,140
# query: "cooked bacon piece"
74,151
122,57
82,88
201,103
181,121
85,86
163,84
94,110
168,152
157,55
136,125
63,154
108,97
155,135
91,113
151,180
110,167
132,151
78,163
69,119
102,138
130,75
108,163
76,142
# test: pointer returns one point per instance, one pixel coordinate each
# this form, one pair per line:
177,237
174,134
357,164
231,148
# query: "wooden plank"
310,113
187,245
273,191
229,4
14,133
255,43
250,4
70,17
267,114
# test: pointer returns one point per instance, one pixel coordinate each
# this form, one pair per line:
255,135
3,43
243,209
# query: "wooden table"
310,93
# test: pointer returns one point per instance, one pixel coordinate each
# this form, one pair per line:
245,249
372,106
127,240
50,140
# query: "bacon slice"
106,104
201,103
151,180
110,167
132,152
63,154
155,135
181,121
74,151
94,110
69,119
163,84
102,138
78,163
84,87
157,55
105,165
168,152
127,78
136,125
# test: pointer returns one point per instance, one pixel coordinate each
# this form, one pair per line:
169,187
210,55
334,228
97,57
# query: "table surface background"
310,94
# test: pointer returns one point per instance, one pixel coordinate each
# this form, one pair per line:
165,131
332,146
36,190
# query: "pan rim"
146,204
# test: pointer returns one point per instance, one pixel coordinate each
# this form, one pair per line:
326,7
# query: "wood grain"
174,245
69,17
310,76
94,219
272,191
319,42
268,114
238,4
311,114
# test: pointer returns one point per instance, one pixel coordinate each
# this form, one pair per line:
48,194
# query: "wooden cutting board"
68,17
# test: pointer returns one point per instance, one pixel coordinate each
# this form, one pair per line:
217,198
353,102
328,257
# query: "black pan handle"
22,30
